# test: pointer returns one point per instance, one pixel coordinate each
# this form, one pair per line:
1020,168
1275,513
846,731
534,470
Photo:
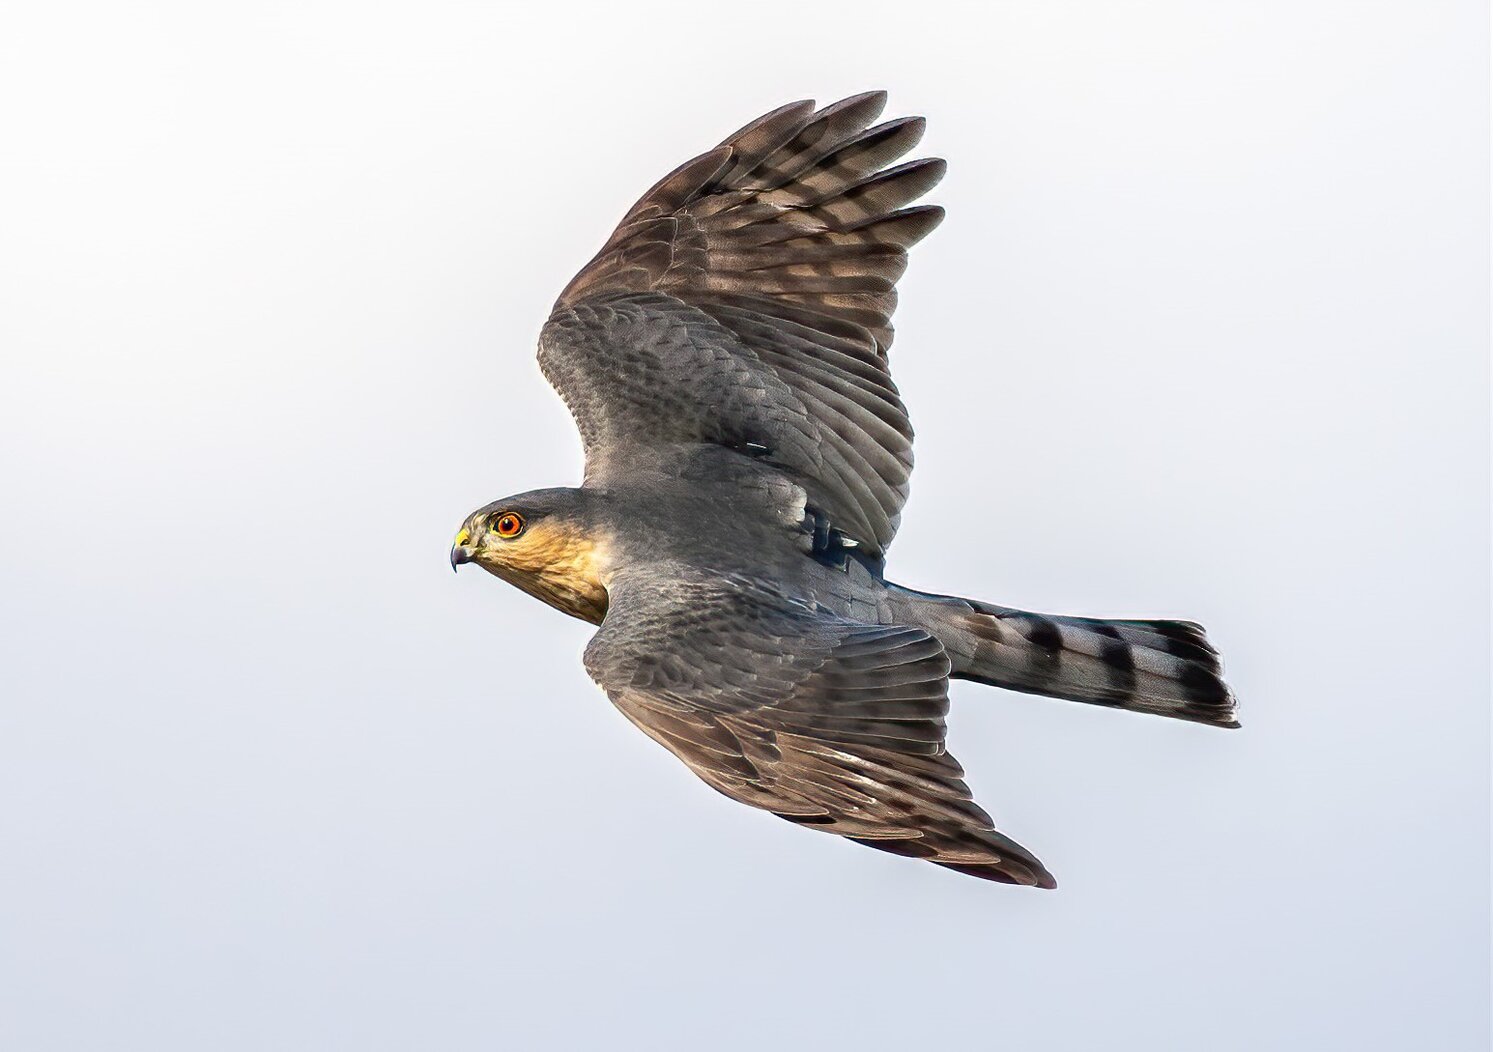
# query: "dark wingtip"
875,95
1036,877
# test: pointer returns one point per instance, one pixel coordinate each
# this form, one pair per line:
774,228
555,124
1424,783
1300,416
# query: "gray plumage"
747,460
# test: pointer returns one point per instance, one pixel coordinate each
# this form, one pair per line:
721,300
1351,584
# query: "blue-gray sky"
1204,336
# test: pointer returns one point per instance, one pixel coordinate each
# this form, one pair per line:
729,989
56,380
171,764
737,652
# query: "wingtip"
859,111
804,108
790,115
1003,872
876,95
911,129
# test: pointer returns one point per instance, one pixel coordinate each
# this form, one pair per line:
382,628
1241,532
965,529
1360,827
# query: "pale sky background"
1205,335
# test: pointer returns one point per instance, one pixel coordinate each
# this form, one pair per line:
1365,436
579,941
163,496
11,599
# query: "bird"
747,459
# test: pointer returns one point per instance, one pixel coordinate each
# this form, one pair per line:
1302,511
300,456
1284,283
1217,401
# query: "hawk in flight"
747,458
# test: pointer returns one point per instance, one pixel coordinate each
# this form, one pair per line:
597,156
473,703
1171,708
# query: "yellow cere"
462,537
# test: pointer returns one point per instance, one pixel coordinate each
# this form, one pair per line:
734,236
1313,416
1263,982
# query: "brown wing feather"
831,724
780,251
811,186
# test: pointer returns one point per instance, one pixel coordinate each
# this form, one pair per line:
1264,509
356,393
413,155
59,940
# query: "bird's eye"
509,525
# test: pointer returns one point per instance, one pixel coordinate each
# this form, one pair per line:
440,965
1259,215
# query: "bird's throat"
565,571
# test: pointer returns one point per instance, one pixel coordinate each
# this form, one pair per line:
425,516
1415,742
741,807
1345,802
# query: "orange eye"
509,525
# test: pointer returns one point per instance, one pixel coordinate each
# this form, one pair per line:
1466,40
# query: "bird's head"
550,543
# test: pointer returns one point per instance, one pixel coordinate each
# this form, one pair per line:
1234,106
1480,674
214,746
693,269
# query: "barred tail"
1164,667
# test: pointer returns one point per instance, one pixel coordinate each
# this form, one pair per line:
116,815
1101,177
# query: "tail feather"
1163,667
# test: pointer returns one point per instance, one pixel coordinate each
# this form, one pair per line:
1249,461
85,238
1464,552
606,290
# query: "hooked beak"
460,553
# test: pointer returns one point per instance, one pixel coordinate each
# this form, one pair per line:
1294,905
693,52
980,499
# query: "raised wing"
832,724
746,301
